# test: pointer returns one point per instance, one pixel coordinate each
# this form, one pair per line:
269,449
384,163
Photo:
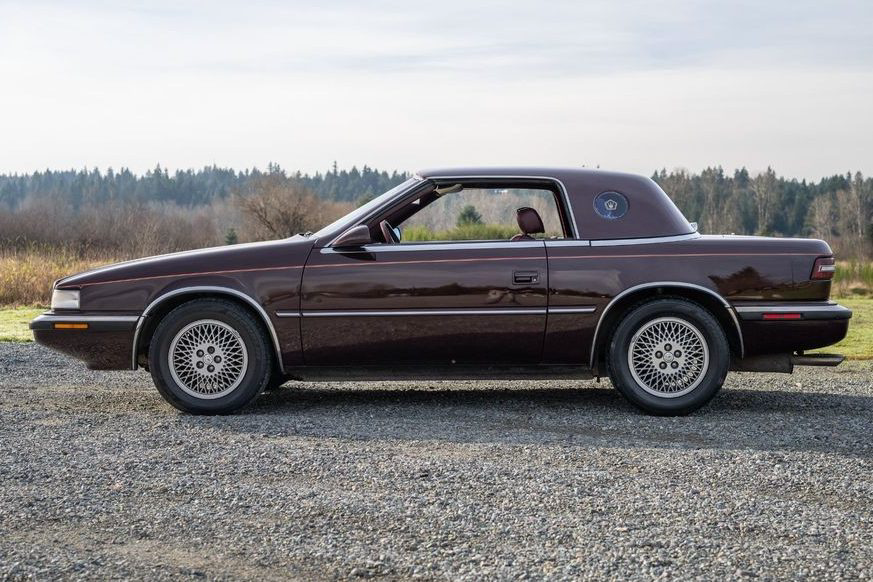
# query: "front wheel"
210,356
668,356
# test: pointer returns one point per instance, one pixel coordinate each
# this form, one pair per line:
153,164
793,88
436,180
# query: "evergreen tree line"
837,208
88,188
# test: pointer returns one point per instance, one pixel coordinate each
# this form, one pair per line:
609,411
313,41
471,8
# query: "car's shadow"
776,420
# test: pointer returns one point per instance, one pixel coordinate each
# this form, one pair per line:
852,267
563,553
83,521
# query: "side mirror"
357,236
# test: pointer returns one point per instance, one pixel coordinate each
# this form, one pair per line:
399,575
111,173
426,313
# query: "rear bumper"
793,312
105,344
788,327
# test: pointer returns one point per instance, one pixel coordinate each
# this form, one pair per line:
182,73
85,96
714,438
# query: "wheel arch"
162,305
707,298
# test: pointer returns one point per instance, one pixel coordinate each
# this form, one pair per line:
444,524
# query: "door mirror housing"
356,236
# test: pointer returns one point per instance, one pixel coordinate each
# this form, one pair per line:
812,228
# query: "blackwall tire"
210,356
277,380
668,356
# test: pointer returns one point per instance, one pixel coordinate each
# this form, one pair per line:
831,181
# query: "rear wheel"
210,356
668,356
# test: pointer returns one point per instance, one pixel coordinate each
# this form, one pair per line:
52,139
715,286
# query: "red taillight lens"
780,316
823,268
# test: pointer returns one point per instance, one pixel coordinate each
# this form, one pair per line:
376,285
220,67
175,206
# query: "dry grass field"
26,277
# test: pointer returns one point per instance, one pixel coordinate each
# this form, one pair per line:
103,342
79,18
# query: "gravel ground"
458,480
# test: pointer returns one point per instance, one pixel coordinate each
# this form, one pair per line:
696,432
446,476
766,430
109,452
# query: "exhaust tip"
817,359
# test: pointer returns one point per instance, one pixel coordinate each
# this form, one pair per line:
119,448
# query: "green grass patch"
464,232
853,279
13,323
858,344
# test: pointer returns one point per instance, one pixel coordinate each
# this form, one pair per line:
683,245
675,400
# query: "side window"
481,214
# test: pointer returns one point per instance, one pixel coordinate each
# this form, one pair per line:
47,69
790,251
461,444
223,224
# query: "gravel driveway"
458,480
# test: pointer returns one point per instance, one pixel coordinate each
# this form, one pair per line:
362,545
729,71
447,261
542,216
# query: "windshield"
356,214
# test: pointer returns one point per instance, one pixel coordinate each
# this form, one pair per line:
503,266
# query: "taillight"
823,268
781,316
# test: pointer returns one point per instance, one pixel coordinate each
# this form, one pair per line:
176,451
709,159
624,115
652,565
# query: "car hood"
266,255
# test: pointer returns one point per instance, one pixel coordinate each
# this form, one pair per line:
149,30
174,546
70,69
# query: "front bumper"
105,344
788,327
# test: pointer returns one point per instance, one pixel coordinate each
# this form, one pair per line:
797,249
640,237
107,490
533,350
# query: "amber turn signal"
71,326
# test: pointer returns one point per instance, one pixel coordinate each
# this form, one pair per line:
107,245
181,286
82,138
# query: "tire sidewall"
257,373
713,335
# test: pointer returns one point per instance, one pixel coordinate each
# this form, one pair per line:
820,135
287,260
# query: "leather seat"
529,222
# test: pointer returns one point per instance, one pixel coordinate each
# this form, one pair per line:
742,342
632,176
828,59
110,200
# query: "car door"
425,303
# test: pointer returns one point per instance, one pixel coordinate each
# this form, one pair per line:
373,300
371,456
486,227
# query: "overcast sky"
631,86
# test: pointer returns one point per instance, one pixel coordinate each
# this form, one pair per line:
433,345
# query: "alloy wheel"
668,357
208,359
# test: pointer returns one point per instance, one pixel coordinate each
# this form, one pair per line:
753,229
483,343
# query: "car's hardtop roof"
526,172
649,211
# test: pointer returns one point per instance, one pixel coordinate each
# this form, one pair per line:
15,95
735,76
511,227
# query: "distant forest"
838,208
184,187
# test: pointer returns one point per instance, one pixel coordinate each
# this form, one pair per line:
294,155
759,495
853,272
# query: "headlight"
65,299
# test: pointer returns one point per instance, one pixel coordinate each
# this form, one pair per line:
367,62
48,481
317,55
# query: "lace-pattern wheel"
208,358
211,356
668,357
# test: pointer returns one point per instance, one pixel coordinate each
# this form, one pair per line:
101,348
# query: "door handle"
525,277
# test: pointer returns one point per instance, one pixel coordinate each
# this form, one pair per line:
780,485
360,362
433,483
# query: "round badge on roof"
610,205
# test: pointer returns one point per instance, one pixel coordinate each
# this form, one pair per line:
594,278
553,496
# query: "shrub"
463,232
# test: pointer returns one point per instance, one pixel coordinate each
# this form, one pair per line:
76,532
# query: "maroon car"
464,273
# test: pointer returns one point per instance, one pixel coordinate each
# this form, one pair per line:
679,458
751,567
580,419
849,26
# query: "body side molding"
207,289
642,286
438,312
52,317
645,240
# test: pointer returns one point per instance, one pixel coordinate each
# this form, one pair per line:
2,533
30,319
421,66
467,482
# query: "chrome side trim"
630,290
568,242
287,314
559,310
420,312
447,246
644,241
208,289
87,318
423,312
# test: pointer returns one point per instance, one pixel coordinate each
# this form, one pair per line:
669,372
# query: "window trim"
401,196
439,246
552,189
562,203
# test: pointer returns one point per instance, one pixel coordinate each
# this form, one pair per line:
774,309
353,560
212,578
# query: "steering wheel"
388,233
